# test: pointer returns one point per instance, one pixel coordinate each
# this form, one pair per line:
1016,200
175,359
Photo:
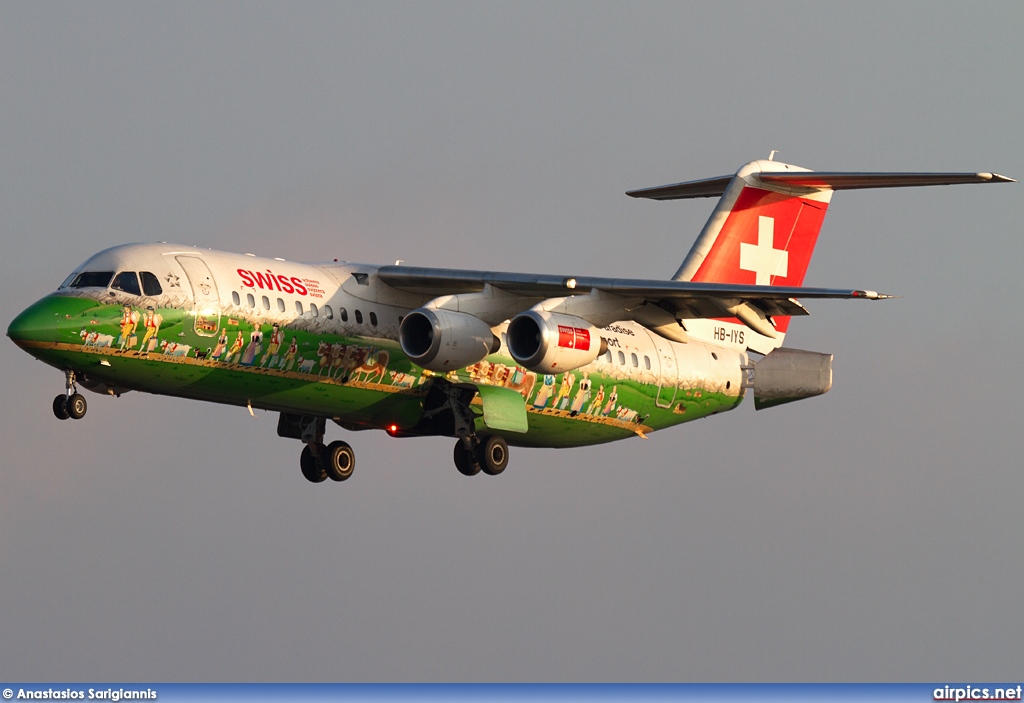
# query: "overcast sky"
874,533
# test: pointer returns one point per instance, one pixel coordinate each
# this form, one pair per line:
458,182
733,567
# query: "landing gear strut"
72,404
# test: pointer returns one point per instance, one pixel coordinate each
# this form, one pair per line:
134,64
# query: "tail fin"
765,226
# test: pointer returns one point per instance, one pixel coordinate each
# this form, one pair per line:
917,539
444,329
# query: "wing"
602,300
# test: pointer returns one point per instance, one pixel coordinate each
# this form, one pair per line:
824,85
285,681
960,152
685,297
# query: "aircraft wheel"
465,461
310,464
493,455
339,461
60,407
76,406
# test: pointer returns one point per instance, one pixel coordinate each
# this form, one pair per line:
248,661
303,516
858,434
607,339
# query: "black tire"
60,407
339,461
465,461
310,465
77,406
492,455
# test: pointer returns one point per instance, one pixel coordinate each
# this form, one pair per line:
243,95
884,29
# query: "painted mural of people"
562,400
222,345
547,389
254,347
288,360
151,321
272,347
595,407
235,352
129,321
582,395
613,398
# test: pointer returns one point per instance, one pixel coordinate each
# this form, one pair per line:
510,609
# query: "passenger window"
298,306
607,356
250,300
329,312
150,284
344,314
636,362
127,282
236,298
373,319
647,362
359,317
280,305
312,309
622,358
266,303
92,279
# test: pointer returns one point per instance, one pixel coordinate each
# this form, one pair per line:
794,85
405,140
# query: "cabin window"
250,300
150,283
607,357
373,319
622,358
236,298
312,310
636,362
647,362
92,279
329,312
266,303
344,314
359,317
127,282
298,307
280,305
714,356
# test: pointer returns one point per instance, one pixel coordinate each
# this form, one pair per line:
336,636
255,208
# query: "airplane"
491,359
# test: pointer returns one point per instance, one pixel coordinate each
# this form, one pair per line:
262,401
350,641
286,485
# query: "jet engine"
549,342
442,340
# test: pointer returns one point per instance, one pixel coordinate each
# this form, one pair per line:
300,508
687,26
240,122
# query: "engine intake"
549,342
442,340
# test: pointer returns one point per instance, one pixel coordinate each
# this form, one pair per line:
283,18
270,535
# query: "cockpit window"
128,282
92,279
67,281
150,284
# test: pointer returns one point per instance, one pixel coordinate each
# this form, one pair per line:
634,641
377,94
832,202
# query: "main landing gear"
475,454
319,462
336,461
72,403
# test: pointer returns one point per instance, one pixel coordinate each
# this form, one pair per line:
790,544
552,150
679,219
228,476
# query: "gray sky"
875,533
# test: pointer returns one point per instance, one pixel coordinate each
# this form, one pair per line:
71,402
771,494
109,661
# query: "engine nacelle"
442,340
550,342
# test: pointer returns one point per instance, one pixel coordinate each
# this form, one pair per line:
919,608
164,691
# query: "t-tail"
763,232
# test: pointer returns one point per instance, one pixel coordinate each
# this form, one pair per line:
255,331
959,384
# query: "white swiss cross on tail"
763,259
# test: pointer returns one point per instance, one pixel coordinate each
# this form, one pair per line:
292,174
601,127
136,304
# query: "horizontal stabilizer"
704,188
823,180
841,180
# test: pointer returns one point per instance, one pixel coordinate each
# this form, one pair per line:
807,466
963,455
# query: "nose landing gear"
72,404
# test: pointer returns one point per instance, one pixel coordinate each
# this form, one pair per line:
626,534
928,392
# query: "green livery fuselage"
217,327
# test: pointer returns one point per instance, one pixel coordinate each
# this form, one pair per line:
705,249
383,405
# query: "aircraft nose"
37,323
